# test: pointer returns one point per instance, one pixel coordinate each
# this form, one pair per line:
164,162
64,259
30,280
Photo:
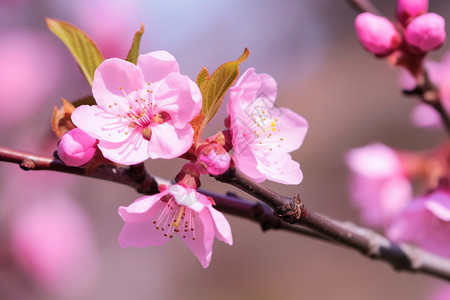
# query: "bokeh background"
58,233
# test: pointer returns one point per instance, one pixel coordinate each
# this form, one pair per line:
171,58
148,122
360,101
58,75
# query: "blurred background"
58,233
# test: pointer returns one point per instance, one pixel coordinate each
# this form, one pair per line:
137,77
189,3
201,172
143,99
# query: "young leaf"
214,88
83,49
202,77
134,51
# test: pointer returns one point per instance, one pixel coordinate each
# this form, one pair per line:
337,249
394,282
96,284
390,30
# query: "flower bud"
189,176
213,159
377,34
426,32
76,148
408,9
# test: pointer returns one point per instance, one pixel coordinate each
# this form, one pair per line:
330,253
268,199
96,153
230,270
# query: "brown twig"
131,176
365,241
429,94
369,243
364,6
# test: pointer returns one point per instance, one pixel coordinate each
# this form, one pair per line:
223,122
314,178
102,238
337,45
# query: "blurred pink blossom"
112,37
379,188
22,53
425,222
152,221
377,34
426,32
441,293
143,111
263,135
439,73
52,240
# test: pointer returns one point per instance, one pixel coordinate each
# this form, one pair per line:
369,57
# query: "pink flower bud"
407,9
377,34
426,32
213,159
76,148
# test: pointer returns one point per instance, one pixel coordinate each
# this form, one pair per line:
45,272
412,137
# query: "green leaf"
214,88
134,51
83,49
202,77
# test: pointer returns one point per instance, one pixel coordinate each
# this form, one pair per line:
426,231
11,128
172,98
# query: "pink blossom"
142,111
426,32
153,220
76,148
423,115
439,73
263,134
379,189
407,9
425,222
213,159
376,34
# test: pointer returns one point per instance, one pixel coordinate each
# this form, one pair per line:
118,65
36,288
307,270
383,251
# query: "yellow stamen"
180,215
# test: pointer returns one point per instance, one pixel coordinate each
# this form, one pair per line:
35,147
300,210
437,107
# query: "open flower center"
176,218
141,110
263,128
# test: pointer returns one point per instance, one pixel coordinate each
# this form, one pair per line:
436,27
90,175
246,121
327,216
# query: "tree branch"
364,6
134,176
369,243
429,94
425,89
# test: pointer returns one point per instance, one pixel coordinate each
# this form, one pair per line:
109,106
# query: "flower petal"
280,167
134,150
290,130
112,75
180,97
101,124
141,234
170,142
201,246
142,209
246,162
439,205
157,65
246,87
221,225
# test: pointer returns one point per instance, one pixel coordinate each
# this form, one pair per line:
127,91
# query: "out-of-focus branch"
425,90
429,94
369,243
364,6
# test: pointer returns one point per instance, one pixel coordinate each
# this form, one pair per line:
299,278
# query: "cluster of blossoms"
415,32
405,43
144,111
384,180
